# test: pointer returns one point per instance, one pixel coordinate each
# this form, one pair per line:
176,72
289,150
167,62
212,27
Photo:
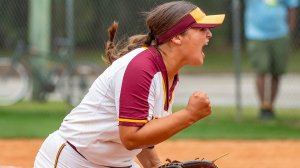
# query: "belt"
72,146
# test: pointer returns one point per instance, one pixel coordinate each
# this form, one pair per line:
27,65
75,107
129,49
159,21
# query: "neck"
170,60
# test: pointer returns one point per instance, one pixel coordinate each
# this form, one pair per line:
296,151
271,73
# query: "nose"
208,33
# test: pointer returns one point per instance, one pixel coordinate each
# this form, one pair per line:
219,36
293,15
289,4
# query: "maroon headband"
196,19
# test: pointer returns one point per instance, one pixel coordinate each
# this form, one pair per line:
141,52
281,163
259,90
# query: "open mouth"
203,49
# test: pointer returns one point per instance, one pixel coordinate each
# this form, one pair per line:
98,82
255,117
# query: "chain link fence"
91,20
82,26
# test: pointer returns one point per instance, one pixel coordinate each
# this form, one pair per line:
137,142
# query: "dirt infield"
245,154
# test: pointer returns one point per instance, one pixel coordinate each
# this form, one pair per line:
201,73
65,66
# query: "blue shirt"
267,19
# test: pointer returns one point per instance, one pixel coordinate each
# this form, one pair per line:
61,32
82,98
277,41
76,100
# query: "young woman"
128,109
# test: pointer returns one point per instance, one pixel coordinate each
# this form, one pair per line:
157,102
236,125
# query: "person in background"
267,27
128,109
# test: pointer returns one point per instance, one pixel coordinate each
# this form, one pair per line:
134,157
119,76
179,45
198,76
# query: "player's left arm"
149,158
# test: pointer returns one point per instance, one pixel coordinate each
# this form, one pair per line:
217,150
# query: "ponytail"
110,48
112,52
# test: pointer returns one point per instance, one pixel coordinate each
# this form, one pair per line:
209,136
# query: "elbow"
130,138
129,144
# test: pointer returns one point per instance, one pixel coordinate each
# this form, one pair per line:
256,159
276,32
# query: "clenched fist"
198,106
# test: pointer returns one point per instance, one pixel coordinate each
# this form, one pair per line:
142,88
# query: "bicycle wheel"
74,84
14,82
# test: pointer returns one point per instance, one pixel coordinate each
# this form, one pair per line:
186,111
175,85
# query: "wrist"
190,117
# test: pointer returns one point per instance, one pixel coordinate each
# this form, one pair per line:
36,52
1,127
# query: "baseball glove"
189,164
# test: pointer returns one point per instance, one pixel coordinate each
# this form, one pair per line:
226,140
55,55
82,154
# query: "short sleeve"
136,94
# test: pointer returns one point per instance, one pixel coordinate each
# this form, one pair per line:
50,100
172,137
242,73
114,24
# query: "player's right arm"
158,130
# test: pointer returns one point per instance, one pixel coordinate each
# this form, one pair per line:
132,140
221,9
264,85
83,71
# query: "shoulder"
143,62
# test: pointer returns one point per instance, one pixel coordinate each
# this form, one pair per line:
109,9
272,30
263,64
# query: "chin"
197,63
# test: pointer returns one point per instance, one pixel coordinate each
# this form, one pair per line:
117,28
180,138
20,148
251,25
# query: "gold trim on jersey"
132,120
165,91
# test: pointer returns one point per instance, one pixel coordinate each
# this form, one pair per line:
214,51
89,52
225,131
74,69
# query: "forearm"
156,130
149,158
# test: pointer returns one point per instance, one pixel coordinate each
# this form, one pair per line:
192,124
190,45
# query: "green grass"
224,124
37,120
31,120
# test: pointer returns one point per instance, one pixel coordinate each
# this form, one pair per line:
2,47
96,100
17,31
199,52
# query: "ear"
177,39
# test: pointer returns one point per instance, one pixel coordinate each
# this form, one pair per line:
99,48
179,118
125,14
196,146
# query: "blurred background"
50,53
52,49
71,32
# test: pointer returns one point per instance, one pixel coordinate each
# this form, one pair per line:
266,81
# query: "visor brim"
212,19
209,21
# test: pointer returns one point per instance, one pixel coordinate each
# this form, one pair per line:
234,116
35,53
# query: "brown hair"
158,21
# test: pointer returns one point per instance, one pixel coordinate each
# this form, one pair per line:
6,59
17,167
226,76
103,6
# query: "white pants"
68,157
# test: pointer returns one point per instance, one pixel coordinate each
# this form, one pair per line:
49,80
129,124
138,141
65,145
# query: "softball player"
128,108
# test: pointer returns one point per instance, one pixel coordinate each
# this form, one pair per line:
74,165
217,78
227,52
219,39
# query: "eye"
203,29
